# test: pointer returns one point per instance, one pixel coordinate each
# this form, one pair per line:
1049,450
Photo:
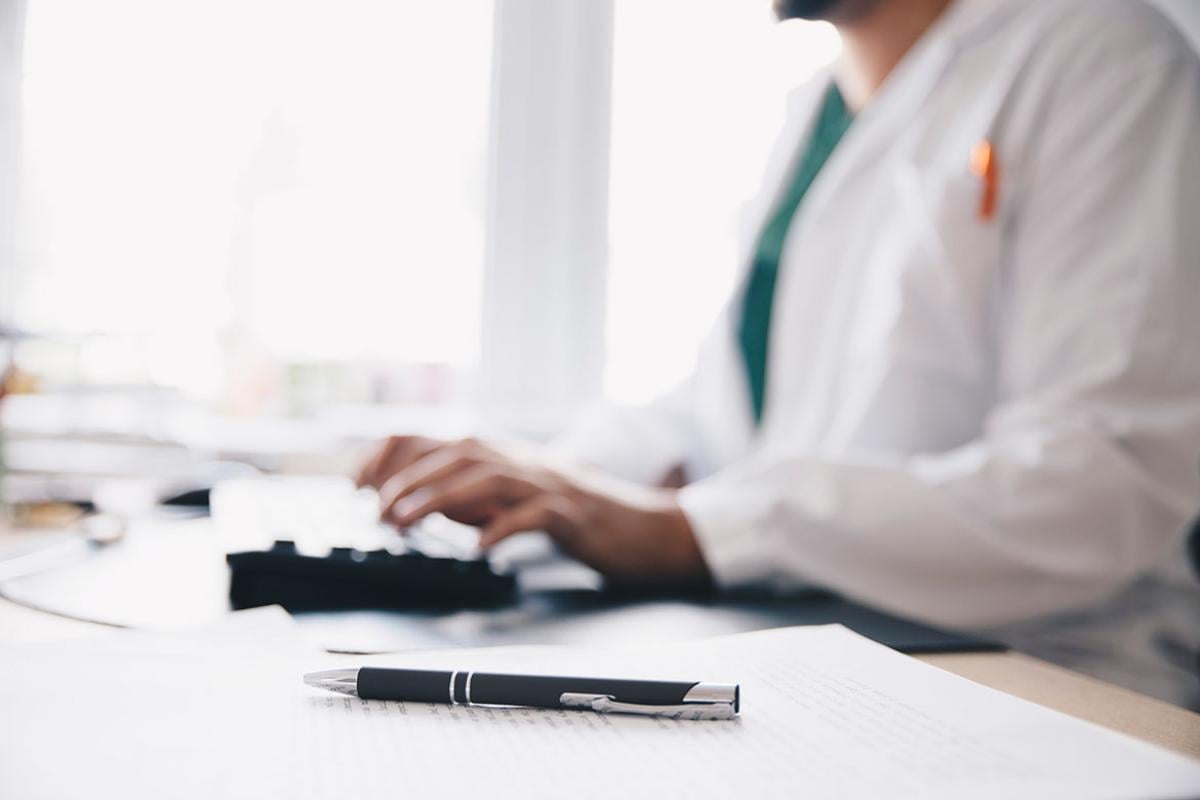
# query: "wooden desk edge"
1079,696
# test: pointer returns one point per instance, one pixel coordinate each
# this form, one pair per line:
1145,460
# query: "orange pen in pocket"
984,167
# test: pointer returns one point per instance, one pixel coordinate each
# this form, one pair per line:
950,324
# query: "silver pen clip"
705,701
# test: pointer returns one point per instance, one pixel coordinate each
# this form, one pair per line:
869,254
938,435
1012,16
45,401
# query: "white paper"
825,713
140,715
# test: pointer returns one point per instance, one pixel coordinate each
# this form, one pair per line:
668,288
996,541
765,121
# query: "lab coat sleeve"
1086,469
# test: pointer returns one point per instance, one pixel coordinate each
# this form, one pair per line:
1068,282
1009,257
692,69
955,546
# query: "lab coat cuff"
723,521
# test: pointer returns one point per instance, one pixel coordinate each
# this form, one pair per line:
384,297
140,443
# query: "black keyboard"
353,579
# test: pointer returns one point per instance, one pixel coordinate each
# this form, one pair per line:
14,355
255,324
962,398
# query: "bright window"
245,197
698,98
219,182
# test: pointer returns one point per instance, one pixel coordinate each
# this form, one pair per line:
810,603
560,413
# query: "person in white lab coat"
961,377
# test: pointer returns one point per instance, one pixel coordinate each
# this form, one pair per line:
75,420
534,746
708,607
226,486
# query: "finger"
405,451
370,468
532,515
476,487
393,454
437,466
400,453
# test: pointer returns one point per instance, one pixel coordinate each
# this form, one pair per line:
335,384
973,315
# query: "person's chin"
816,9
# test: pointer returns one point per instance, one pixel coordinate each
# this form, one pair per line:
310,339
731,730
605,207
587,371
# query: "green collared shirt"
754,328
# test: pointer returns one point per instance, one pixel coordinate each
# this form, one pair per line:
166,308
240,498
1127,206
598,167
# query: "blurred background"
268,231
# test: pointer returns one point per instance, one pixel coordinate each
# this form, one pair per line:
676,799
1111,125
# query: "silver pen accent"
342,681
705,701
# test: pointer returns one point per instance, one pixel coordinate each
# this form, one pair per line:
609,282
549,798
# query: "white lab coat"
968,421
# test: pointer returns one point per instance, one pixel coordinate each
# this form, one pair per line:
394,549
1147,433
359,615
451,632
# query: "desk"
1029,678
1078,695
1017,674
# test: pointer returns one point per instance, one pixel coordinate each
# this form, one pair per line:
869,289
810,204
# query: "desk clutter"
222,711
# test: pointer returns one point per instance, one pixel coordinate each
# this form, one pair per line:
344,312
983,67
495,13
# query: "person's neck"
876,40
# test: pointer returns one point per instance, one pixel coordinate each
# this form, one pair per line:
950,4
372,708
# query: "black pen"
678,700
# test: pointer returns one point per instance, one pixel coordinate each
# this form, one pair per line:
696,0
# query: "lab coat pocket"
950,217
939,273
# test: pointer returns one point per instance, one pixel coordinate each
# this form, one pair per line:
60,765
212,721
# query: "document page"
825,713
189,714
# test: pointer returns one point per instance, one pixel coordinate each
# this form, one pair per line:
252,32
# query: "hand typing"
623,530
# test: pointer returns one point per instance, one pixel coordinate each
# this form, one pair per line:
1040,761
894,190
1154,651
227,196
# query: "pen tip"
332,678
